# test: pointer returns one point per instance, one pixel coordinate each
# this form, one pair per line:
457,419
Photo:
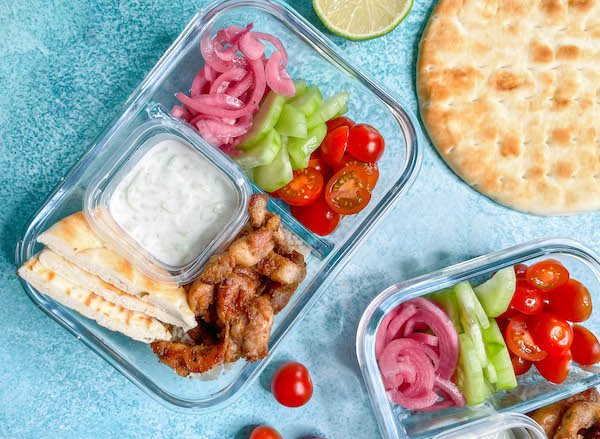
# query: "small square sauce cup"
532,392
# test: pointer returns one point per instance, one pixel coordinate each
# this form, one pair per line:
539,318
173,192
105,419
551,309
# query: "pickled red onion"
227,90
414,374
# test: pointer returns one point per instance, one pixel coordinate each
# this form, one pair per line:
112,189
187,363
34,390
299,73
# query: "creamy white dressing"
173,202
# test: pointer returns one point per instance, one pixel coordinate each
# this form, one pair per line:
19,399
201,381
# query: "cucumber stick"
466,296
276,174
301,149
266,118
470,374
292,123
309,102
328,109
469,322
263,153
447,300
493,339
496,293
301,88
489,372
499,357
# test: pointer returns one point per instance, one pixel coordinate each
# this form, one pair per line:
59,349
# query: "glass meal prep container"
532,392
313,58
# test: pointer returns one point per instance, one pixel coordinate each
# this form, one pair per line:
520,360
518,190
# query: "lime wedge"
361,19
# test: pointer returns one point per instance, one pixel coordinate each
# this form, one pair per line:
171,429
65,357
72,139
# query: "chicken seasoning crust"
236,297
509,91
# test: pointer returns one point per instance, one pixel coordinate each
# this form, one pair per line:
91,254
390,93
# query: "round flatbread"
509,92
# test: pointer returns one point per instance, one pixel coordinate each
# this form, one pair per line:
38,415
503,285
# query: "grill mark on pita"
128,315
88,299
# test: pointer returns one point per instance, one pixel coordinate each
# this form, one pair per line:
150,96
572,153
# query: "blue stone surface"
65,67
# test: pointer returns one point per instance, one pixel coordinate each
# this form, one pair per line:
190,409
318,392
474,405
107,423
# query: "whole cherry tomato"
346,192
547,274
339,122
519,339
520,365
571,301
520,270
334,146
585,347
555,368
265,432
291,385
305,187
551,333
527,299
371,169
317,216
365,143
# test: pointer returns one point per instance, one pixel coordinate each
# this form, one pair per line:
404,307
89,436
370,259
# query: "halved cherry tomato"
273,194
520,270
365,143
520,365
334,146
347,193
339,122
527,299
305,187
291,385
371,169
502,324
555,368
317,216
585,347
319,164
551,333
547,274
519,339
265,432
571,301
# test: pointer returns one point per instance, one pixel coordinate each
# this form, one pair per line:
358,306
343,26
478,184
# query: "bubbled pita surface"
509,92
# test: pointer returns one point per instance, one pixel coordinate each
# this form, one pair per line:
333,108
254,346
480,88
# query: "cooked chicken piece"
550,416
217,269
258,210
279,295
200,297
281,269
186,358
582,415
234,295
250,333
204,334
281,244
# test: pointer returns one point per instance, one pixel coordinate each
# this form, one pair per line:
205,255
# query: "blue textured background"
65,67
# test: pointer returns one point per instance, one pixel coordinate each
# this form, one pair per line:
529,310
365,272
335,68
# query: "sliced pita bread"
73,273
133,324
73,239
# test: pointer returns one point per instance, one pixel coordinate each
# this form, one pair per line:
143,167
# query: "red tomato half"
265,432
319,164
273,194
291,385
305,188
555,368
365,143
571,301
520,365
317,216
347,193
339,122
585,347
546,275
520,270
519,339
371,169
527,299
551,333
334,146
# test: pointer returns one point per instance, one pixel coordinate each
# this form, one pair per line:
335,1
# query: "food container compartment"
532,392
103,184
313,58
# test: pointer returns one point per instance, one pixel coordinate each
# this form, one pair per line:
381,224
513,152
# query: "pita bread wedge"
73,239
73,273
133,324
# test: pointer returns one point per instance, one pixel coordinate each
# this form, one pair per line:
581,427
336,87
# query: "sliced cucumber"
471,327
506,374
301,149
447,299
328,109
262,153
309,103
264,120
292,123
489,372
493,339
496,293
465,295
276,174
301,88
342,111
470,373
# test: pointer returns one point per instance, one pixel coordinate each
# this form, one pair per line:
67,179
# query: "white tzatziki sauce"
173,202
